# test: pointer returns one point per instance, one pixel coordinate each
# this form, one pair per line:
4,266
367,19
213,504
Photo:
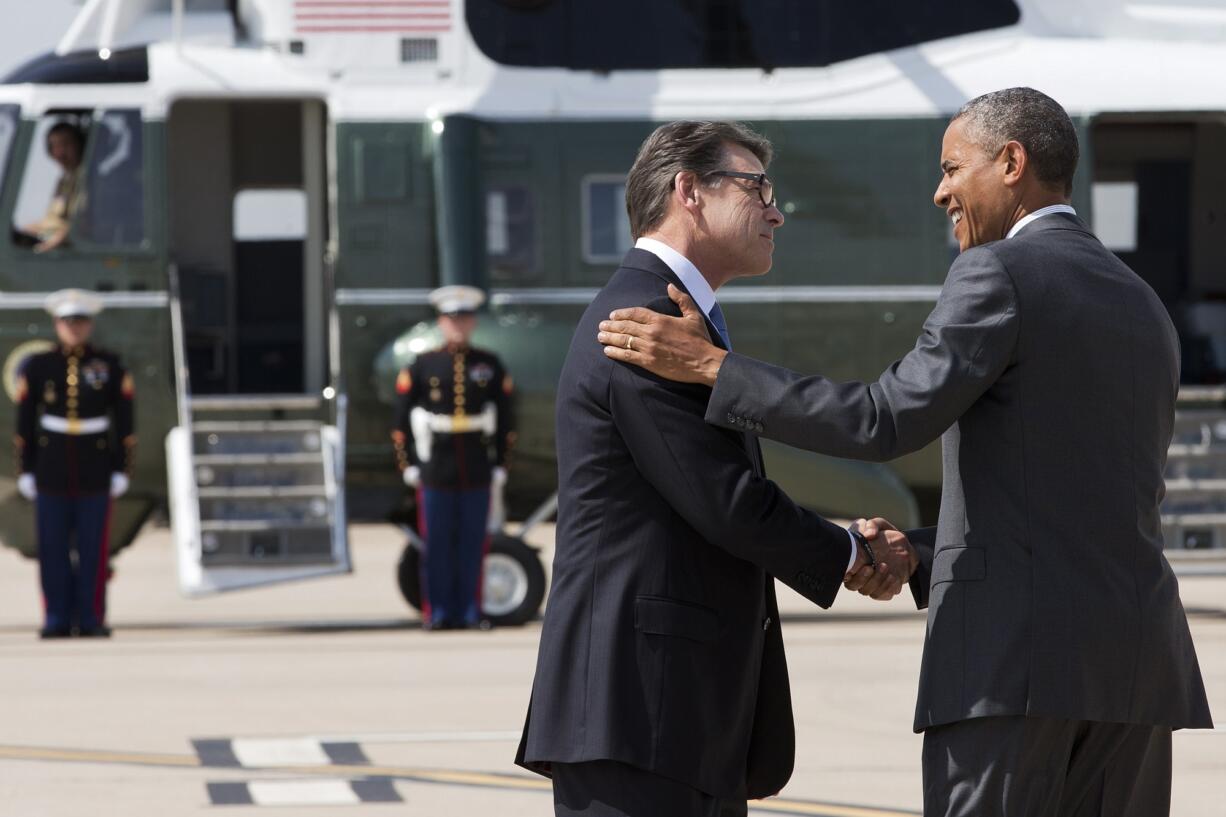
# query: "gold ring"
630,343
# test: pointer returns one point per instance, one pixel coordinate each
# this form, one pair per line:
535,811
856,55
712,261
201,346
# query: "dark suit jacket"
1052,370
661,645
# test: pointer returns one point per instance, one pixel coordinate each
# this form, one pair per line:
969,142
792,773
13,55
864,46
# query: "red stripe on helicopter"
372,16
372,29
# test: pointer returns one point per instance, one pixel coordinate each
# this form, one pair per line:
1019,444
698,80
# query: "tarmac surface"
326,698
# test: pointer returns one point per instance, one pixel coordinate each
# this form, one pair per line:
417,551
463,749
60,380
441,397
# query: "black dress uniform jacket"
455,387
74,387
661,645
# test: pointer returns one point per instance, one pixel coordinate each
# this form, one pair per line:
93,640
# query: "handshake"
883,566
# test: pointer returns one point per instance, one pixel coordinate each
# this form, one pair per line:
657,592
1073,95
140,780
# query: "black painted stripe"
216,752
230,794
376,790
345,754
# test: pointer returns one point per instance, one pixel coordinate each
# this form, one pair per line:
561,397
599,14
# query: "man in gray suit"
1058,657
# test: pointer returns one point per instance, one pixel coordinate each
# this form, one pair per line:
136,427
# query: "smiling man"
661,683
1058,658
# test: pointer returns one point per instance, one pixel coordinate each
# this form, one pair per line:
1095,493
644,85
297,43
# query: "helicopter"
273,187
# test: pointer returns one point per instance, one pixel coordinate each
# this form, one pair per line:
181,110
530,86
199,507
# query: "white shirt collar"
684,269
1042,211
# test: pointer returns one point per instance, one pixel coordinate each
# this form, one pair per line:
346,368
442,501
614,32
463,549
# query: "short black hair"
699,147
1033,119
73,130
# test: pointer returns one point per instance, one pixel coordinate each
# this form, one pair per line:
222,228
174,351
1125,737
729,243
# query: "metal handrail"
178,344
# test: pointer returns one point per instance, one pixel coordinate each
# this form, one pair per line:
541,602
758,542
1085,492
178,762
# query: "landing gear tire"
513,581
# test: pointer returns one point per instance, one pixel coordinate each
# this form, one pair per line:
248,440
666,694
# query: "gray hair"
1033,119
697,147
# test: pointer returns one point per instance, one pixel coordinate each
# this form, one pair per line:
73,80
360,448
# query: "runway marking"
303,793
383,776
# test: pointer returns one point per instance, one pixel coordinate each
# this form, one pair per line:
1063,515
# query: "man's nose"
941,197
774,216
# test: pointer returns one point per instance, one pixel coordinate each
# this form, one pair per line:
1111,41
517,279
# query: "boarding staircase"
256,484
1194,511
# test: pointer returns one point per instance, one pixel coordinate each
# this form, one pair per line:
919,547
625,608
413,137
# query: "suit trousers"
1046,767
74,593
607,788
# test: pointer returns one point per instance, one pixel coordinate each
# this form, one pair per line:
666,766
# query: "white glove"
27,487
119,485
498,476
412,476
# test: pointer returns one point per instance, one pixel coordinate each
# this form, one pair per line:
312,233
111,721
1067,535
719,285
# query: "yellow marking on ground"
445,776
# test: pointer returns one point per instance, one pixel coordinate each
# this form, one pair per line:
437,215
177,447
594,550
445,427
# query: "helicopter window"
83,183
606,227
1114,205
597,35
510,232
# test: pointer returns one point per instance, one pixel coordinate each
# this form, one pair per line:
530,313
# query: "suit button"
766,624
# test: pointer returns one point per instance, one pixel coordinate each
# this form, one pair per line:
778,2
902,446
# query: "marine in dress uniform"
452,433
74,451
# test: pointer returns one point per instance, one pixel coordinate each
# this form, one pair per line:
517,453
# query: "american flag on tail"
366,16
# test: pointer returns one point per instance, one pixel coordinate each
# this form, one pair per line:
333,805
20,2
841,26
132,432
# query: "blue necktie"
717,320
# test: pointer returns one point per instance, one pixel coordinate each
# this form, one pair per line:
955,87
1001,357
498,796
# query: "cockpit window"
8,132
83,185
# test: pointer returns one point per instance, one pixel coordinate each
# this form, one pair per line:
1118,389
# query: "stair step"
1180,486
256,402
298,458
266,547
228,426
256,476
274,511
252,525
231,439
263,492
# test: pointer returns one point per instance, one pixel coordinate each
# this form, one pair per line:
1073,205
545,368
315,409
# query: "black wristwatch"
863,543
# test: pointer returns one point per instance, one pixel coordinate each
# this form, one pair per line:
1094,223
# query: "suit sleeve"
25,440
402,428
924,541
124,416
706,475
504,401
966,343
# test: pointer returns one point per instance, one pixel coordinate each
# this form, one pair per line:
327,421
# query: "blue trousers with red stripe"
453,525
74,595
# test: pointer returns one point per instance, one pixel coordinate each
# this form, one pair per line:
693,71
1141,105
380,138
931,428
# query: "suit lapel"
650,262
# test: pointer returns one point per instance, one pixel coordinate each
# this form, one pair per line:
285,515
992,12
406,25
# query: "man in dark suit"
661,684
1058,657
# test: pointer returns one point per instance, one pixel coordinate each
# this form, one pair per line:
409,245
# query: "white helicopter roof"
1093,56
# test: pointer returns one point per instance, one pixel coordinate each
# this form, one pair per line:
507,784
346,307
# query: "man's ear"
1015,161
685,189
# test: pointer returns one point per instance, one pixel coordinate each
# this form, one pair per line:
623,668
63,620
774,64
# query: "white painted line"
280,752
420,737
302,793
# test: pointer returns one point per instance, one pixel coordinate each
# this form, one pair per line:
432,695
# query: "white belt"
426,424
62,425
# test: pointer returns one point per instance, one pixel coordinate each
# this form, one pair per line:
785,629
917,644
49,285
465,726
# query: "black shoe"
101,631
57,632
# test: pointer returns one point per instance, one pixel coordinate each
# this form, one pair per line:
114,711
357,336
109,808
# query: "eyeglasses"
765,187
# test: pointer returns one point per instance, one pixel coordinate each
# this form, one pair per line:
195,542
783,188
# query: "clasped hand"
896,561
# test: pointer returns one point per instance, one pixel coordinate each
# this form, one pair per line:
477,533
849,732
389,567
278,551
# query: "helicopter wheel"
513,581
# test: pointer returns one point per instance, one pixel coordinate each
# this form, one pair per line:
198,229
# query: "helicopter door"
256,464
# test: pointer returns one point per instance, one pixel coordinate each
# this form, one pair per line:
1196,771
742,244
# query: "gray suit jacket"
1051,369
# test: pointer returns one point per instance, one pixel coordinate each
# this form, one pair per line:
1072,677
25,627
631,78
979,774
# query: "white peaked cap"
67,303
451,299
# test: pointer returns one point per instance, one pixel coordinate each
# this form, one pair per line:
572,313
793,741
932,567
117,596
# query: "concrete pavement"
327,698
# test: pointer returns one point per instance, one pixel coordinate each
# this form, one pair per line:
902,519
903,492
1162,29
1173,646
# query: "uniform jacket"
1052,370
462,401
661,645
72,386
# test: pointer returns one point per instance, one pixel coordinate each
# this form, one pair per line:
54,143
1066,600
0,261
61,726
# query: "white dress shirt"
700,290
1042,211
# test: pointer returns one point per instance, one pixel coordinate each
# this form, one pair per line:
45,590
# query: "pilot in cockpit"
66,145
